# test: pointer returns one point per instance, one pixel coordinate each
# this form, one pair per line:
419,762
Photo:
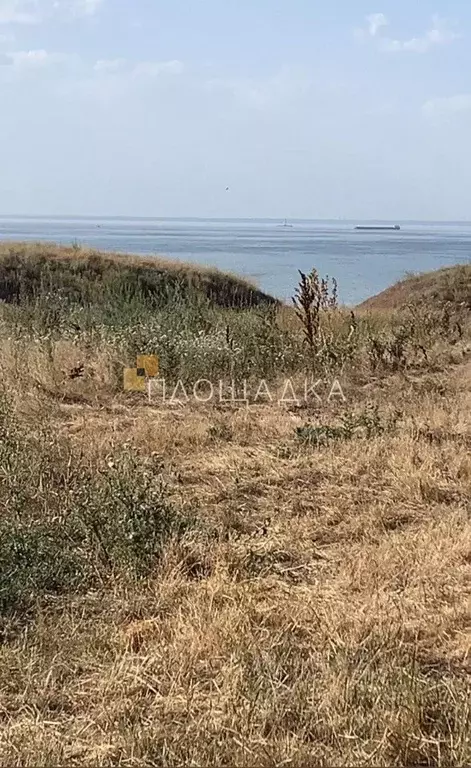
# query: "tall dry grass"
208,584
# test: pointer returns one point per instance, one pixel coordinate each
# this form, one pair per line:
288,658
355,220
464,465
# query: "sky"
303,109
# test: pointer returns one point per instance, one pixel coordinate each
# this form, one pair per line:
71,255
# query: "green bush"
368,423
67,525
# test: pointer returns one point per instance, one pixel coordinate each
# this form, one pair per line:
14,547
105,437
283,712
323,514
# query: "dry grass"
318,614
451,284
34,252
28,270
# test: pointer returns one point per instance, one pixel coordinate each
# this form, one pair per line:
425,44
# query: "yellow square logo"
149,364
134,379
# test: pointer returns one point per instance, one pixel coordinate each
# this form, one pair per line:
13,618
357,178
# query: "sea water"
265,251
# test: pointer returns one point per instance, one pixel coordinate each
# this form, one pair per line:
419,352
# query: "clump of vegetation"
368,423
328,334
67,526
312,297
411,334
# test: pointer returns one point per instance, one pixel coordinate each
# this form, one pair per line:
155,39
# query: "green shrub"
368,423
67,525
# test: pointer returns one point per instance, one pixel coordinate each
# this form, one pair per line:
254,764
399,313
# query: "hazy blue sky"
303,108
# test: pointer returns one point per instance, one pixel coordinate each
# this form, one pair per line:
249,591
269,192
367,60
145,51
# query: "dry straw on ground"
315,609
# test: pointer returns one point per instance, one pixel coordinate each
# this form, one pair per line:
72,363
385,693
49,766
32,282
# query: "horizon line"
122,217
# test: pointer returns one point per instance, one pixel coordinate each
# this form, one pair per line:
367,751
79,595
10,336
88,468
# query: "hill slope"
31,269
437,288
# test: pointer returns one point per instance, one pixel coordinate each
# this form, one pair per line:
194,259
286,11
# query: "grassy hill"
29,270
451,285
277,577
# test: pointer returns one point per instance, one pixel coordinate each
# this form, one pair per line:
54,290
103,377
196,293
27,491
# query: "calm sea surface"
363,263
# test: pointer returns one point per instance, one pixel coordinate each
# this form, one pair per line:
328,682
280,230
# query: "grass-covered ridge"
31,270
450,285
266,583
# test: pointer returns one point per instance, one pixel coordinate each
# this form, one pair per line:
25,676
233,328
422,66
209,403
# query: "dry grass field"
272,583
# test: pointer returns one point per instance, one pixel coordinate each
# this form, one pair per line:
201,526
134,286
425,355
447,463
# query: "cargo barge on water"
378,228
